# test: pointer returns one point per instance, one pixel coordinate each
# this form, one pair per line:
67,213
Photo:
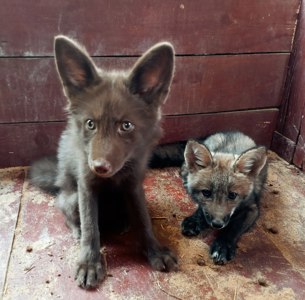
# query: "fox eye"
232,195
206,193
90,124
126,126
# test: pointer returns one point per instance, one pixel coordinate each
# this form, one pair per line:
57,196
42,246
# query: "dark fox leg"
159,257
91,269
67,202
224,247
194,224
67,199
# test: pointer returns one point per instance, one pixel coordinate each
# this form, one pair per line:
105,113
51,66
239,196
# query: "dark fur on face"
224,175
113,123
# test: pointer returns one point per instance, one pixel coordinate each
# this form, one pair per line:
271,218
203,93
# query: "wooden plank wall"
232,60
289,137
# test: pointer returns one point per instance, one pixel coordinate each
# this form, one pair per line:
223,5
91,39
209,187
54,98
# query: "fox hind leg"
67,202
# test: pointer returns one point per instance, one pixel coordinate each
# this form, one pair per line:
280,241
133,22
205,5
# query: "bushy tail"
169,155
43,174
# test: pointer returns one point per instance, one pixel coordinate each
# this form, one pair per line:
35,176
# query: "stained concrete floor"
38,252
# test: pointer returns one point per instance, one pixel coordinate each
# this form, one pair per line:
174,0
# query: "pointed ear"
252,161
197,156
75,67
152,74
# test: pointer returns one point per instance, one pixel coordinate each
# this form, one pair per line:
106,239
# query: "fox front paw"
89,275
222,251
163,260
191,226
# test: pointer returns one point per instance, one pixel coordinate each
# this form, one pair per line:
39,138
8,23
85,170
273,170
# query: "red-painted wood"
283,146
23,143
267,265
10,198
259,124
288,140
299,155
295,86
31,98
225,83
128,27
31,90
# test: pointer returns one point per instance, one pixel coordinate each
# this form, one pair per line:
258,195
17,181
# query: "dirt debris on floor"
38,252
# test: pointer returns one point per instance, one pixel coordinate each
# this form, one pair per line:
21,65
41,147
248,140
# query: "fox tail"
168,155
43,174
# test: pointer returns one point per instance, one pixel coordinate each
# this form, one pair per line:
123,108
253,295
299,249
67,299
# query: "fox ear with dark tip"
252,161
75,67
197,156
152,74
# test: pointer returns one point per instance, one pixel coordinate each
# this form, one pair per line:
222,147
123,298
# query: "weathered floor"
38,252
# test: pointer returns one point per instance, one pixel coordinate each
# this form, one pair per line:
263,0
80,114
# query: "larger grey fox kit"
113,123
225,175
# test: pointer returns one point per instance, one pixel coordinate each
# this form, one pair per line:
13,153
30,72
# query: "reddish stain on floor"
38,252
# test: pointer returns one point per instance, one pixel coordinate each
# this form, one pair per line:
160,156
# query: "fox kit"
113,123
225,175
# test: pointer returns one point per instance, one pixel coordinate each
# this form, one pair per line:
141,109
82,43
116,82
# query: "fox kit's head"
117,113
220,182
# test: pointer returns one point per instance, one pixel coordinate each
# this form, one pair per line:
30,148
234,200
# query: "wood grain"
231,65
292,111
283,146
129,27
259,124
289,138
299,154
23,143
31,91
226,83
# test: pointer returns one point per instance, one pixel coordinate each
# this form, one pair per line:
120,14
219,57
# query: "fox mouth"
102,174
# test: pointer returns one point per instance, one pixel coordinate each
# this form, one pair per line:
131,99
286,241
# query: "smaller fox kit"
225,175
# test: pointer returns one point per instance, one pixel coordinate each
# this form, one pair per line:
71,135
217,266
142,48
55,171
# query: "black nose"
217,224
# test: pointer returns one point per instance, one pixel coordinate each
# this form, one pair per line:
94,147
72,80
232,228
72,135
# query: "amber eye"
206,193
90,124
127,126
232,195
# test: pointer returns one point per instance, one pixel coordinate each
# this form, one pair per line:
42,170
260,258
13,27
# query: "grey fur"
47,167
113,123
225,175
